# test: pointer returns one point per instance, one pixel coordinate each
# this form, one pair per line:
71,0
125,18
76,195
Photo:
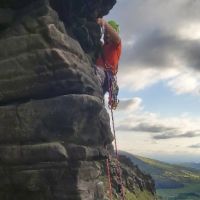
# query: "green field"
138,195
189,192
173,182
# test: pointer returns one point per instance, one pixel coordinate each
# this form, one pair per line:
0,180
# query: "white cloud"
195,146
190,31
139,78
130,105
185,83
146,133
179,79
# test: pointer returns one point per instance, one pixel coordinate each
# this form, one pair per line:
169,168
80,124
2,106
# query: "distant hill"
165,175
191,165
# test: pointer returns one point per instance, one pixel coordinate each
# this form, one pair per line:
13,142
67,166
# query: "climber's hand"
101,22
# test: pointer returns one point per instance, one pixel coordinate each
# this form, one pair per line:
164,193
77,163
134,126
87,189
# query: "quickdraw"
113,90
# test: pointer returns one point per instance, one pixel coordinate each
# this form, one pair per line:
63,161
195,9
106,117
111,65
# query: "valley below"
173,181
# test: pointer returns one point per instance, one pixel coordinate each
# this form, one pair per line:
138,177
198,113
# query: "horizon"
159,79
169,159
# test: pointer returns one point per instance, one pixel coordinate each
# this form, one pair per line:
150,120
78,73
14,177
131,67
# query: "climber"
107,63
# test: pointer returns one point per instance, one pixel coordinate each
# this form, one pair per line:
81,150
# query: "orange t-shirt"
110,58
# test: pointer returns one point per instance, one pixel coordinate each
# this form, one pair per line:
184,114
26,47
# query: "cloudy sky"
159,78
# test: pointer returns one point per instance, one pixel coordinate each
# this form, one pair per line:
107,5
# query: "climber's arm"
114,36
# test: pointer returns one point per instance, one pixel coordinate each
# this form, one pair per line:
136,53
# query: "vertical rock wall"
53,124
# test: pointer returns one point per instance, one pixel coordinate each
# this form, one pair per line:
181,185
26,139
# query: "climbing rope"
117,158
115,144
109,177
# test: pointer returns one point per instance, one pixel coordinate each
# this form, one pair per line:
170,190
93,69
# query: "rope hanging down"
115,146
109,177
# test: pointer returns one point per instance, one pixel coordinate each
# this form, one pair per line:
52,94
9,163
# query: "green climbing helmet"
114,25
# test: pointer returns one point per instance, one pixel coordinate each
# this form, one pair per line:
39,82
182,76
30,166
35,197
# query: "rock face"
53,124
135,178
